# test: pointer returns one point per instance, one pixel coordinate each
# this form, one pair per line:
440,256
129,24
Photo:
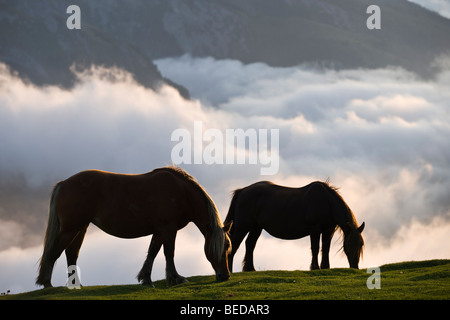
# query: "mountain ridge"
36,42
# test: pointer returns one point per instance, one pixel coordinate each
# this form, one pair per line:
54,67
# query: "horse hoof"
177,280
148,284
181,280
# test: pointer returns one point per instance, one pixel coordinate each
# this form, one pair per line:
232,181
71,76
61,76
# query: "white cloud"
411,242
380,135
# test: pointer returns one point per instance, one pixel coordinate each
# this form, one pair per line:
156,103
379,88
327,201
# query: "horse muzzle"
222,277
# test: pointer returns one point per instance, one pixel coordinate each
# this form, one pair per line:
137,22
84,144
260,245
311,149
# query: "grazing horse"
293,213
129,206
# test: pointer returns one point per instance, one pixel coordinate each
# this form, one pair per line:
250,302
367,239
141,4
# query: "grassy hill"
407,280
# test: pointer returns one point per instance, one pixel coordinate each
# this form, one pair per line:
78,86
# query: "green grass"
407,280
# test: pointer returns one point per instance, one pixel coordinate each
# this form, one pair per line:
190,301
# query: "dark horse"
293,213
129,206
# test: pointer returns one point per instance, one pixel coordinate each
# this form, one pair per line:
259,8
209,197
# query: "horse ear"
361,227
226,228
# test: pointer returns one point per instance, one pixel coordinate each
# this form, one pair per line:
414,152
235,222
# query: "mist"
381,136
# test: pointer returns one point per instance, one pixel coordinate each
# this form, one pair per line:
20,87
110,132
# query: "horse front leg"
144,275
315,238
172,276
326,242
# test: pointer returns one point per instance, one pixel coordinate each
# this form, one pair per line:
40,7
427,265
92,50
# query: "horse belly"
284,225
124,228
139,218
288,232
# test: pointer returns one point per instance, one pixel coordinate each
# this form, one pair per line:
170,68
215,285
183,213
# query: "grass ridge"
406,280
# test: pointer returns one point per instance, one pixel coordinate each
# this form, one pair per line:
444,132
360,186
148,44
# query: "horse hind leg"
144,276
72,256
236,237
250,243
172,276
46,266
52,251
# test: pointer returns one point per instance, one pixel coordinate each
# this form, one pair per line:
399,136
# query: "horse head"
217,247
353,245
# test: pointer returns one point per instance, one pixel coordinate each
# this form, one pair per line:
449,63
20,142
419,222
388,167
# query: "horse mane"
334,192
217,243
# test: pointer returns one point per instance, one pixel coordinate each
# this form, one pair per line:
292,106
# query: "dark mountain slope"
35,42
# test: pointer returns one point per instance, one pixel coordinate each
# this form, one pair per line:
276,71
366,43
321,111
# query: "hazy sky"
382,136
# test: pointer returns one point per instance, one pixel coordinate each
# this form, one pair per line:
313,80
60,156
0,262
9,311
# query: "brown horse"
293,213
129,206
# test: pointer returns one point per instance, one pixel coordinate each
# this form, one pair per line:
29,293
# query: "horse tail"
53,226
232,209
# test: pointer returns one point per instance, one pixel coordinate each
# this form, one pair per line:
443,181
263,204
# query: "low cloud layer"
384,133
380,135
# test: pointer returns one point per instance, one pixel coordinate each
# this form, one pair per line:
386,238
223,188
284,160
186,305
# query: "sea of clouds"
382,136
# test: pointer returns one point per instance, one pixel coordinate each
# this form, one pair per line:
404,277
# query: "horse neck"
204,212
344,217
210,226
203,223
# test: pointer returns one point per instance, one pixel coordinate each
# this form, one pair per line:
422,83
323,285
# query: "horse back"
284,212
125,205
